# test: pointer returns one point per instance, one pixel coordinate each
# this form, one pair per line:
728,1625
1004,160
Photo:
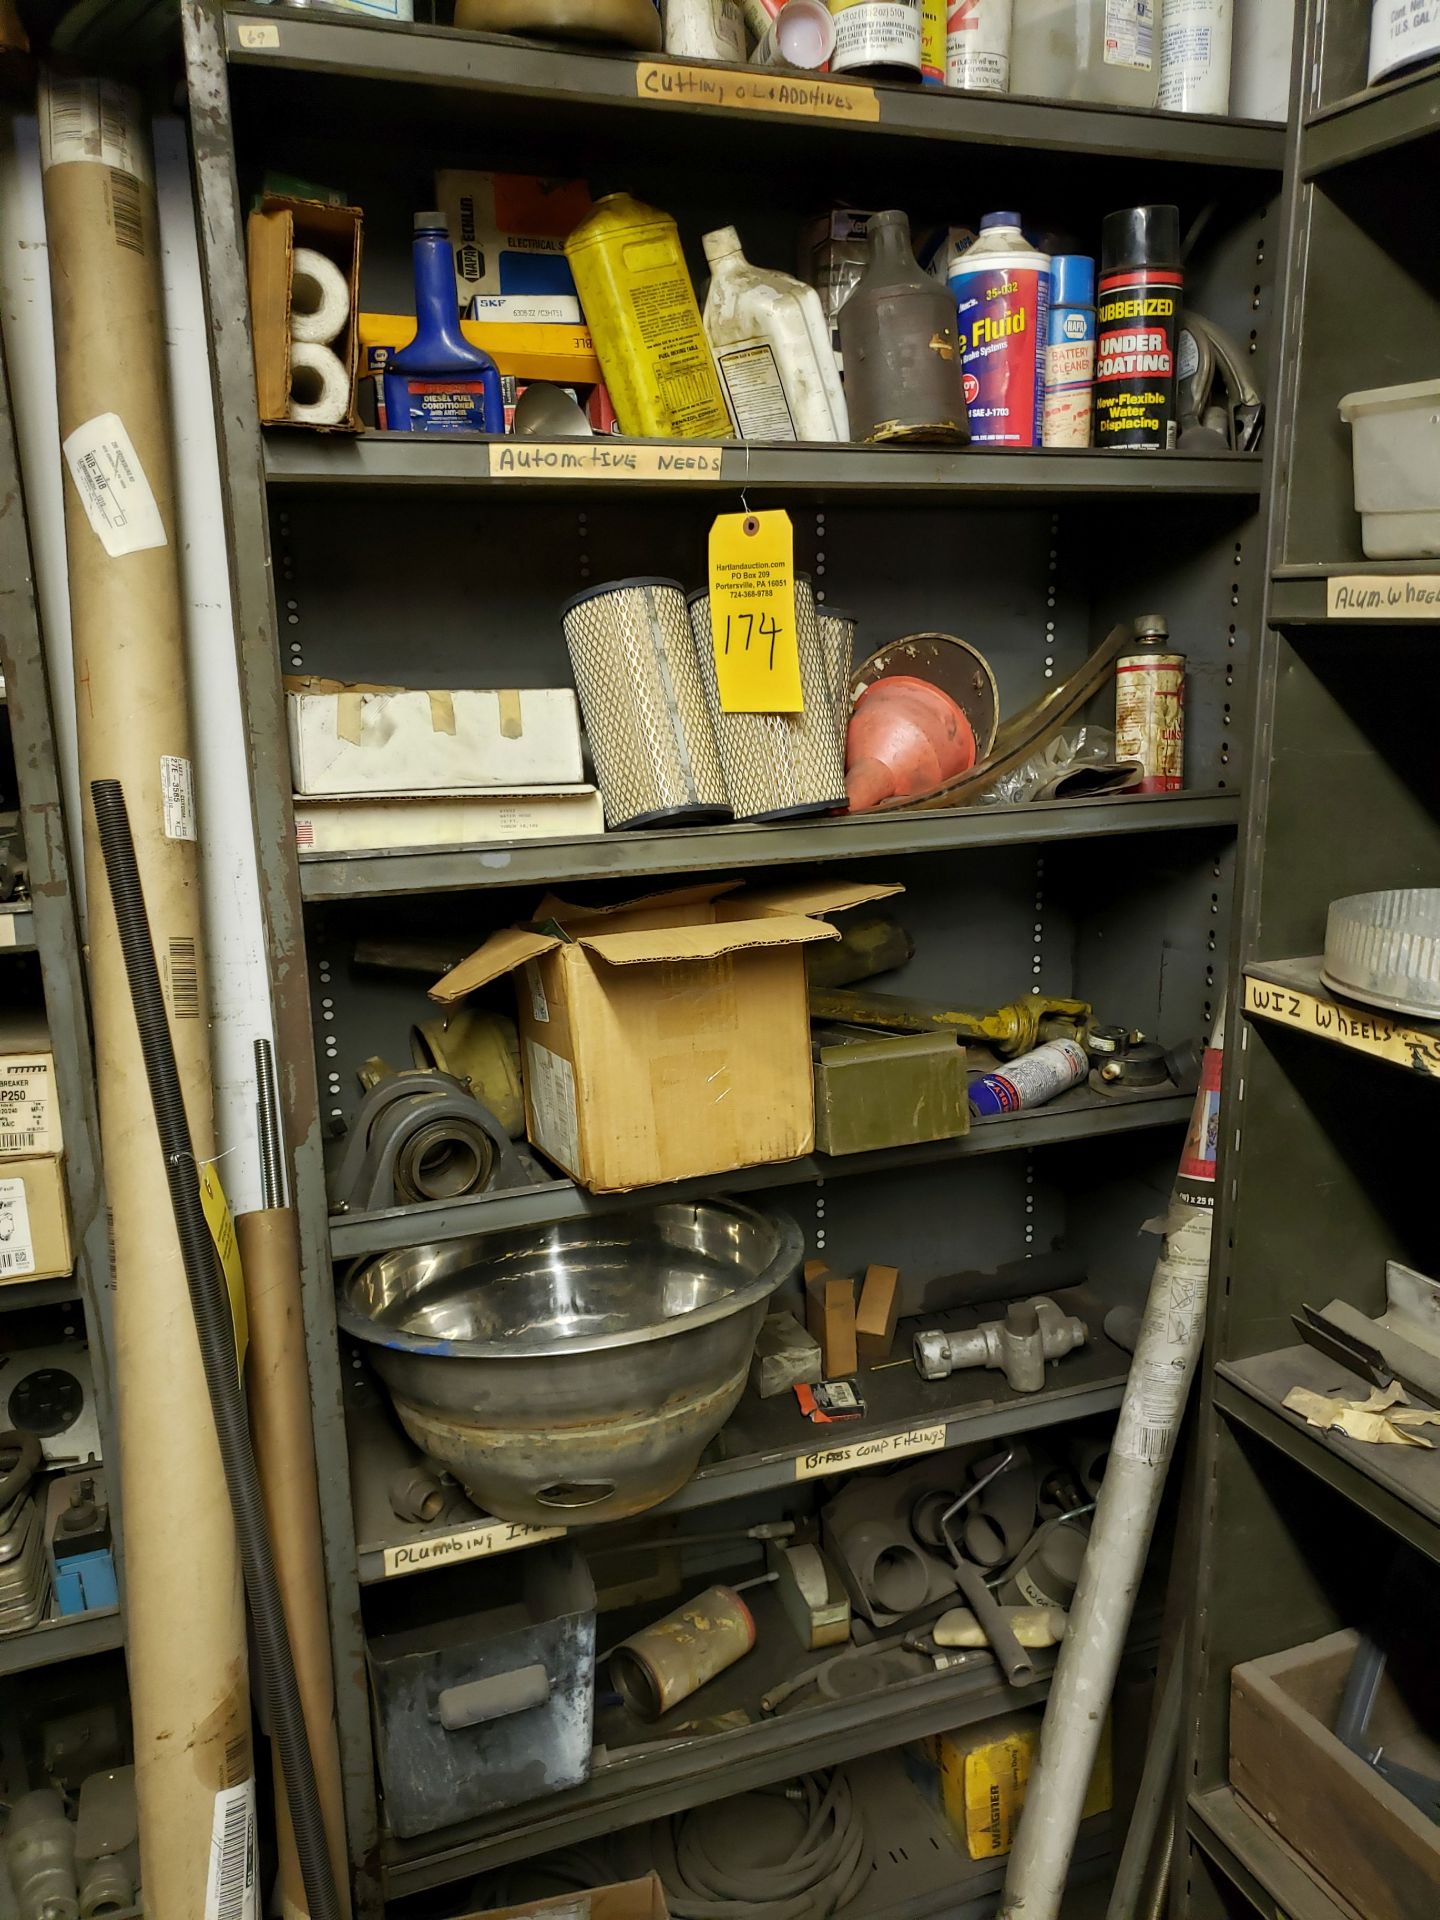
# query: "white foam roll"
319,385
319,297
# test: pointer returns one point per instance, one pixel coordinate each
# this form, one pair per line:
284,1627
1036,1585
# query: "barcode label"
177,797
19,1142
112,487
93,120
230,1887
125,211
184,980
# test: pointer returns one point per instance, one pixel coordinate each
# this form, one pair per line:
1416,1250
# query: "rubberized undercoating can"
1137,328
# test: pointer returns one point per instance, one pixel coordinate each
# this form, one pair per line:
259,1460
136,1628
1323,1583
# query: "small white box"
1396,447
367,823
389,740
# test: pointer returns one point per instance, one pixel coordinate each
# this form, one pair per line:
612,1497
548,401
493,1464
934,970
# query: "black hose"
823,1875
216,1333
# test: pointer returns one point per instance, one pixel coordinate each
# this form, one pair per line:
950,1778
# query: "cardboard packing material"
350,738
877,1313
830,1320
29,1108
626,1900
34,1221
275,228
977,1776
355,823
508,231
189,1692
668,1036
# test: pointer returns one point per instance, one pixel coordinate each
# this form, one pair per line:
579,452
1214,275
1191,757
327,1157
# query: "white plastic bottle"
1195,41
704,30
977,45
1106,52
772,347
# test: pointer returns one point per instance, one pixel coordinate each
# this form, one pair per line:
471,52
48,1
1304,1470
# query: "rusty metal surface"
664,1664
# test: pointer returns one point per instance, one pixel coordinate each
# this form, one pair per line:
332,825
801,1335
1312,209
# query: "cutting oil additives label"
756,90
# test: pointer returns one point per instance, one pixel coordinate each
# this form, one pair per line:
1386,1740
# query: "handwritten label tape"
256,35
1360,1028
876,1452
1383,596
470,1543
755,90
602,459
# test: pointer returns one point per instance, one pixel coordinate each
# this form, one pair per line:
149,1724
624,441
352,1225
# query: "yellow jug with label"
640,306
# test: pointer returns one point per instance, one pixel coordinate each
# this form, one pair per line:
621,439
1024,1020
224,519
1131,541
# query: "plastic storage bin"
1397,469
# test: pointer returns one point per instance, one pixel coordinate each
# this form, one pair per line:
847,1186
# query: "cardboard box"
357,823
508,231
665,1037
275,228
565,355
887,1089
830,1320
29,1107
976,1776
34,1221
627,1900
370,739
877,1313
1351,1826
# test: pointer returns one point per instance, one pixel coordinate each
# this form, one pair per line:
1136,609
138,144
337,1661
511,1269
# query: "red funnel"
905,736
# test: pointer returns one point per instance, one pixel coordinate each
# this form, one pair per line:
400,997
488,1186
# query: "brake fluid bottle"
1002,299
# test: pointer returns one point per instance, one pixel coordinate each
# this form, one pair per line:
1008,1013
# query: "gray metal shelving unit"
346,553
1329,1108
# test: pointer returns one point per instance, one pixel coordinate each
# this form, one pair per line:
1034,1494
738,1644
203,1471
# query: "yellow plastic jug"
640,306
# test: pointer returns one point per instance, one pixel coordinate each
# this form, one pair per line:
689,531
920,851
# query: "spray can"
1030,1081
977,45
1137,328
1070,352
1150,707
1002,298
1195,38
932,43
880,37
800,34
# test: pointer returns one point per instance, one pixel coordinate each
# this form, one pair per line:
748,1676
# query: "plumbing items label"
17,1249
1384,596
755,90
471,1543
112,486
177,797
1364,1030
752,613
29,1117
877,1452
231,1891
602,459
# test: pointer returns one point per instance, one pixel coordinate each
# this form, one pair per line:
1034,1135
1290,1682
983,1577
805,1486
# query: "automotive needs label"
876,1452
541,460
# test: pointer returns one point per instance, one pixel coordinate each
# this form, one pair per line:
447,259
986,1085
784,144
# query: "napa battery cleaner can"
1002,301
1137,329
1070,354
1029,1081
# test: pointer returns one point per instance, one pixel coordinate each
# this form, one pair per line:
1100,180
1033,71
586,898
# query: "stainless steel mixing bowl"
574,1374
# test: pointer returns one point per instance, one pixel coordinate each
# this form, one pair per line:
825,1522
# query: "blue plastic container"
440,383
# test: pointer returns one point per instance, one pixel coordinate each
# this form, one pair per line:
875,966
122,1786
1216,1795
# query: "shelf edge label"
468,1543
876,1452
603,460
1362,1030
755,90
1383,596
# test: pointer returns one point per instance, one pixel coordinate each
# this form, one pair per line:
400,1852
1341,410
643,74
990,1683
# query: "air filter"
1384,949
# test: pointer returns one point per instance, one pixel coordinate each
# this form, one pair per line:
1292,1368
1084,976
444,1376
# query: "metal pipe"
1125,1510
1152,1800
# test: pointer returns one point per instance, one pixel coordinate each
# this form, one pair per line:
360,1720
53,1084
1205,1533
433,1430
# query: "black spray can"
1137,327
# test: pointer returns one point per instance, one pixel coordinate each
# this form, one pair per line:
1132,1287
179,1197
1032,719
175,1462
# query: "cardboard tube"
279,1387
185,1621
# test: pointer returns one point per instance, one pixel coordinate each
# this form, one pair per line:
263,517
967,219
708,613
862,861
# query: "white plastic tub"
1397,469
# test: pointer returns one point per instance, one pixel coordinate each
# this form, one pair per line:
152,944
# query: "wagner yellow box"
977,1777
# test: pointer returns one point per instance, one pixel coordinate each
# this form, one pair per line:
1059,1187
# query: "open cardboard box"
668,1036
627,1900
275,228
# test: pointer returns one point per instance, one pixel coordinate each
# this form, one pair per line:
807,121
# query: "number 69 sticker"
752,613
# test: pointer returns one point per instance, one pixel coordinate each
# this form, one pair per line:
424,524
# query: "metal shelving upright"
1129,901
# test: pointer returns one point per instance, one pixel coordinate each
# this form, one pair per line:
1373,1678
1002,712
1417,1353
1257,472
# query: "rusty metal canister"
904,372
778,765
1150,708
664,1664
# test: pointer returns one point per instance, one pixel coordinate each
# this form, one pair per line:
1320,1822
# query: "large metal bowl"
574,1374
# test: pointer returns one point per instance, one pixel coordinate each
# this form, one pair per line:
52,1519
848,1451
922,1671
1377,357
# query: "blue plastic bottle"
440,383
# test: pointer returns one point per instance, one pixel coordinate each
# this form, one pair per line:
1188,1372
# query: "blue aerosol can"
440,383
1070,352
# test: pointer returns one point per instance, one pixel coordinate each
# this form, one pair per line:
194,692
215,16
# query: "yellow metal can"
635,288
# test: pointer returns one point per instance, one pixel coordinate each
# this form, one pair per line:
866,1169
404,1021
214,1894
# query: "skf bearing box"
276,227
29,1110
667,1036
508,231
977,1776
34,1222
347,739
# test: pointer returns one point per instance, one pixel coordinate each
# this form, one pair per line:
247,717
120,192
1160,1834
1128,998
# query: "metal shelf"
441,462
17,930
490,67
70,1638
1270,1874
1400,1486
1292,994
1077,1115
769,1445
552,863
1372,122
38,1293
1300,596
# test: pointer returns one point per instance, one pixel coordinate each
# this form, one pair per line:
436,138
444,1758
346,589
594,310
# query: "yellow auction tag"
752,613
222,1231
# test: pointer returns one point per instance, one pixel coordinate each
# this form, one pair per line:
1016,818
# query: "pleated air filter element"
837,642
1384,949
778,765
644,704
